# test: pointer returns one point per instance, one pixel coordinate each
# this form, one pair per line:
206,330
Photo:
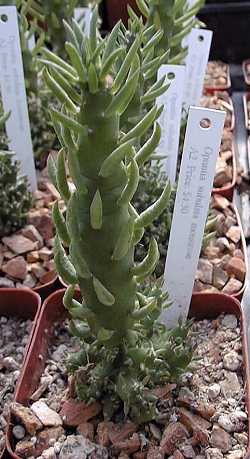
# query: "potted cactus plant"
126,365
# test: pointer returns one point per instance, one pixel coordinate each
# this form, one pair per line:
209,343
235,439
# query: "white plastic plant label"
31,41
83,16
170,119
200,152
13,92
199,44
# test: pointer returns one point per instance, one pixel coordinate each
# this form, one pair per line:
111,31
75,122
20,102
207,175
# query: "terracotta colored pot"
18,302
117,9
204,305
246,98
45,290
225,87
228,190
244,69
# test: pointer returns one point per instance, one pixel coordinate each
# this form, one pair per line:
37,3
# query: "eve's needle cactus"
176,19
124,349
51,13
150,61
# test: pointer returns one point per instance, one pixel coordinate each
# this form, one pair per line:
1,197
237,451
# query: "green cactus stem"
176,19
52,13
115,321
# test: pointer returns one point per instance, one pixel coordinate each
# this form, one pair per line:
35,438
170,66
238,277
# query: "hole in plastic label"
4,18
205,123
200,38
171,75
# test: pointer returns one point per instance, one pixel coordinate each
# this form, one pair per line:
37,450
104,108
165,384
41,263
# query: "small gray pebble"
18,432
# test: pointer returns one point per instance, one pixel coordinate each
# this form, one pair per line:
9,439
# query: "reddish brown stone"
205,410
237,268
192,421
205,271
45,254
188,451
220,277
200,437
17,268
220,202
86,429
223,175
103,430
178,455
37,270
121,432
238,254
155,453
49,265
48,277
220,439
32,257
31,233
26,417
172,435
140,455
129,446
165,391
75,413
19,244
46,227
234,233
45,436
43,222
233,286
211,252
25,448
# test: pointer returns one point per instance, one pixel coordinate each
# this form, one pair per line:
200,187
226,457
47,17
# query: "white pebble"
231,361
213,391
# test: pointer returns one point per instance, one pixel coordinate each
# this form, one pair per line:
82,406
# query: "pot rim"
244,64
246,98
226,87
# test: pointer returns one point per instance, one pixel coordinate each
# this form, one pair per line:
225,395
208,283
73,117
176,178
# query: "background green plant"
15,197
176,19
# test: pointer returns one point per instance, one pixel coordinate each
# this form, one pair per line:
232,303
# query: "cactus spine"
115,321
